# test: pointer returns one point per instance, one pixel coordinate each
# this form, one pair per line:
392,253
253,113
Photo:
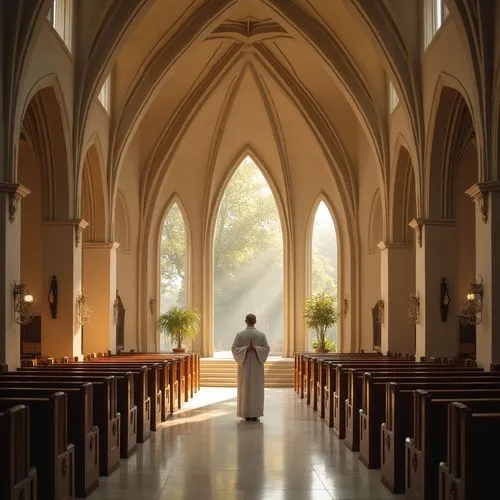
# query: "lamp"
22,304
471,314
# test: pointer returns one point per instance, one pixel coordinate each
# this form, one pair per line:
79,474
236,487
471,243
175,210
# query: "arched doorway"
248,260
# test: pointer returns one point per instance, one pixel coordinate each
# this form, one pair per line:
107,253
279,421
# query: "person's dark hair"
250,319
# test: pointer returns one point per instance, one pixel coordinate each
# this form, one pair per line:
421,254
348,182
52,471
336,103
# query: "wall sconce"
414,309
345,307
379,305
22,304
471,314
445,300
83,311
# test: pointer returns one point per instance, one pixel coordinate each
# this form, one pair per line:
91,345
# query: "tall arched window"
248,260
324,258
173,250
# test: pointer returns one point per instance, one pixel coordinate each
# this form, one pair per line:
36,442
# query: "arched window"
173,251
435,13
324,258
248,260
60,16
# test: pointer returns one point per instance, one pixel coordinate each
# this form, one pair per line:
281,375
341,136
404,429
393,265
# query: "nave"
204,452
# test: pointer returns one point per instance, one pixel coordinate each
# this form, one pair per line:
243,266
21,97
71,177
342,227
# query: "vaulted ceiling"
248,64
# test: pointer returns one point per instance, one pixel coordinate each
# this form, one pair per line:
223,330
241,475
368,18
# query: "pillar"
487,198
435,258
62,257
397,284
99,284
11,195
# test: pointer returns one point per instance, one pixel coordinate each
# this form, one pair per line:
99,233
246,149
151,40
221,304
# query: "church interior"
382,115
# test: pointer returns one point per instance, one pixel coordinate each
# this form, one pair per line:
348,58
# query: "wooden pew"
18,478
398,424
154,378
349,390
50,451
131,396
105,414
428,448
373,405
353,403
81,432
471,469
165,380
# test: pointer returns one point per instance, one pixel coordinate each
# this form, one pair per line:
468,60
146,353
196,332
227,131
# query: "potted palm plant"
320,313
179,324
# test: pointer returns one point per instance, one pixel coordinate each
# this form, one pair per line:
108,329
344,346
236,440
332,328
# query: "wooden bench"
428,448
373,405
353,403
132,399
18,478
50,451
398,424
471,469
347,389
105,414
81,432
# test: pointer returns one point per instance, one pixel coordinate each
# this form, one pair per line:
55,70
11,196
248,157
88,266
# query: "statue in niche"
52,297
445,300
119,317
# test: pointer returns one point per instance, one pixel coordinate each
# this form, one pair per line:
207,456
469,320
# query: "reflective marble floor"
206,453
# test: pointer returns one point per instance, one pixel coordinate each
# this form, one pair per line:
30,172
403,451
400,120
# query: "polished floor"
206,453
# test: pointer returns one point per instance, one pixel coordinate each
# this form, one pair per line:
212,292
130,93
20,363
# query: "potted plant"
179,324
320,312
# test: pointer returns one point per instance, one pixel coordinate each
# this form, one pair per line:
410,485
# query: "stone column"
435,258
62,257
487,198
99,284
11,195
397,283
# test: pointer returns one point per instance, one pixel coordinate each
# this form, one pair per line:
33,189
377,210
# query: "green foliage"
173,256
328,344
179,324
320,312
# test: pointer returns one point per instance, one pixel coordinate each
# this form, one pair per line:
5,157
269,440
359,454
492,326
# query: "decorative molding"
80,225
479,193
249,30
92,245
384,245
416,225
16,192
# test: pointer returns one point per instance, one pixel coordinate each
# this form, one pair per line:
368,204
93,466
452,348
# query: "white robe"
250,371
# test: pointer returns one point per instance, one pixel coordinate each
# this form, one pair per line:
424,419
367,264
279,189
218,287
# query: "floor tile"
206,453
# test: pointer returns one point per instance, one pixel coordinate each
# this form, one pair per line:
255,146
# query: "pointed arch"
44,124
281,344
375,224
313,213
92,193
122,224
403,201
451,126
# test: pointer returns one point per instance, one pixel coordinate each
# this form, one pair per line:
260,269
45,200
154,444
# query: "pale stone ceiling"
167,71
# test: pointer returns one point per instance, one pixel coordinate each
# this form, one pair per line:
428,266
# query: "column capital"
78,224
15,192
385,245
479,193
418,223
93,245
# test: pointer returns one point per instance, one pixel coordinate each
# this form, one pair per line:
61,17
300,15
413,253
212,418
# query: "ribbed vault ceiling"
271,61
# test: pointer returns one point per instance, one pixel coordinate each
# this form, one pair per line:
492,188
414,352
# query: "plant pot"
178,350
321,351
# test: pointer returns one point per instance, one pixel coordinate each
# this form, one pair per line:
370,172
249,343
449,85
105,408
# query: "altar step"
278,372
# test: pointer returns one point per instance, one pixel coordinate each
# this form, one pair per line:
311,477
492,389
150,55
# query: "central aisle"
206,453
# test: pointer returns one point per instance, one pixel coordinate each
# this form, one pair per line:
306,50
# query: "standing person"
250,350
